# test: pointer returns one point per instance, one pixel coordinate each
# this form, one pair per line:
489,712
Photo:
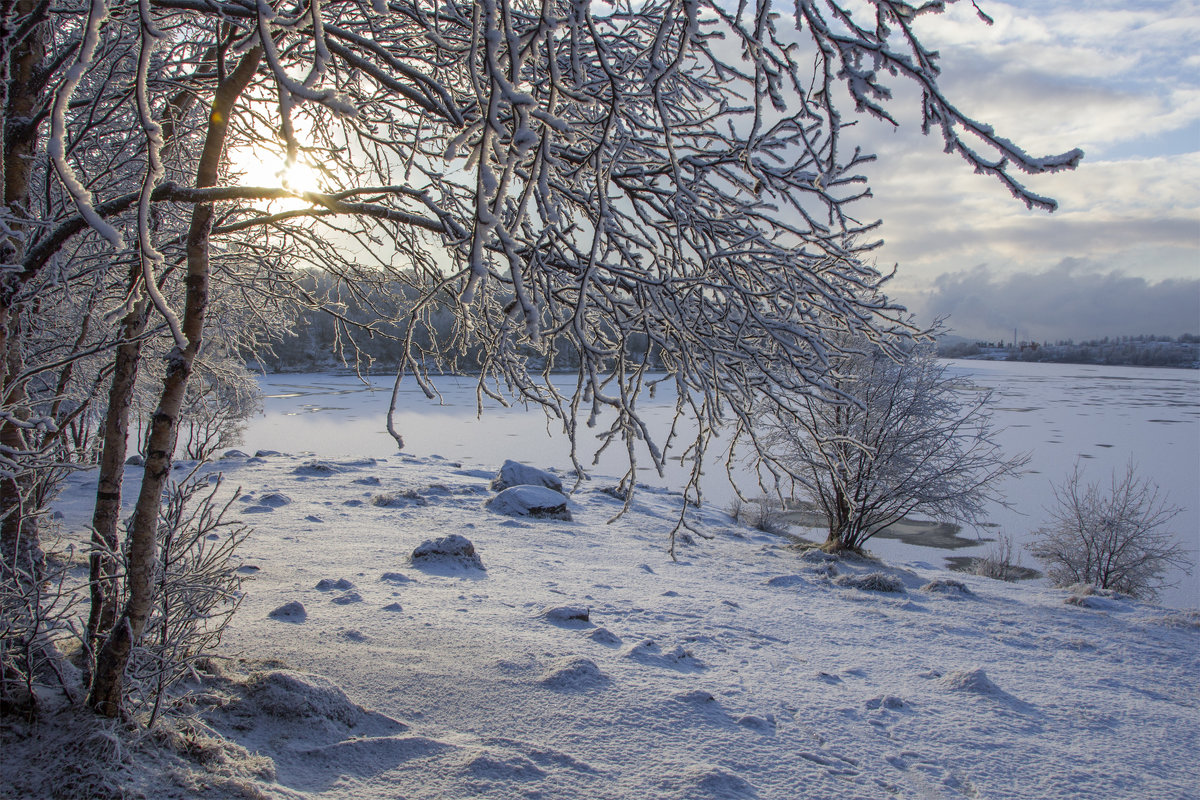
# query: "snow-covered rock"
530,501
514,473
454,549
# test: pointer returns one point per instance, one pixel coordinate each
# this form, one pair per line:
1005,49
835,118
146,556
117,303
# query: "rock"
135,461
453,548
568,616
290,612
539,502
234,454
514,473
266,453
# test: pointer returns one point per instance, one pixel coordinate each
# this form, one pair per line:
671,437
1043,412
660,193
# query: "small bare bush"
1002,562
1115,538
762,514
197,590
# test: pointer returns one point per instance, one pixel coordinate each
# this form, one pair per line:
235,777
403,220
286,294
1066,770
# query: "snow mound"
302,697
568,616
329,584
574,673
648,652
785,580
974,681
817,556
290,612
316,468
234,454
538,502
708,782
452,550
948,587
504,768
764,724
872,582
274,500
514,473
605,637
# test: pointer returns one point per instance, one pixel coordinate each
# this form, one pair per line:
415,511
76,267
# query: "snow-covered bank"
742,670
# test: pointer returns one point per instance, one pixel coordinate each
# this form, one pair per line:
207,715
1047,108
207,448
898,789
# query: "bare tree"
899,436
1111,538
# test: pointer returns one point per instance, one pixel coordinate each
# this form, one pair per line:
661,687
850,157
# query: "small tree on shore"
901,437
1112,539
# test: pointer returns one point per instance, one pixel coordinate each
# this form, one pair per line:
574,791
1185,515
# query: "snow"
584,663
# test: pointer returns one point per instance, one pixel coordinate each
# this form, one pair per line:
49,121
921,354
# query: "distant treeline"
367,325
1141,351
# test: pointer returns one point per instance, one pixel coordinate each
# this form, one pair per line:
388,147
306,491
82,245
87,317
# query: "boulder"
452,549
530,501
516,474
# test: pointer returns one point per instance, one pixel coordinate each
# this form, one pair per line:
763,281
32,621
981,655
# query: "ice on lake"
1100,416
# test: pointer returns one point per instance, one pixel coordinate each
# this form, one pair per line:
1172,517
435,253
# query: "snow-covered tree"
898,436
609,181
1115,537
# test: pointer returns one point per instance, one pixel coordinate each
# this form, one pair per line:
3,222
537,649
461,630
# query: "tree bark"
108,682
103,566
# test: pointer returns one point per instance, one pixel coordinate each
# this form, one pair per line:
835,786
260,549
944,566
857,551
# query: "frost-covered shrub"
1114,538
873,582
1000,563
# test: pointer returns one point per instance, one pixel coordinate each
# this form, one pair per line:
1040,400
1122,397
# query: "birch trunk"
108,681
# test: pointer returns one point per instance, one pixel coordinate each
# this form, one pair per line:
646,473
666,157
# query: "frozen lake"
1100,416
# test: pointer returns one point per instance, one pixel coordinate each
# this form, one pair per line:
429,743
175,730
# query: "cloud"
1139,216
1071,300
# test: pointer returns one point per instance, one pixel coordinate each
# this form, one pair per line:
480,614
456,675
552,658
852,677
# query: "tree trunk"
108,680
103,564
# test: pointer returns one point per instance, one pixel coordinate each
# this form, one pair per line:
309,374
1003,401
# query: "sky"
1121,255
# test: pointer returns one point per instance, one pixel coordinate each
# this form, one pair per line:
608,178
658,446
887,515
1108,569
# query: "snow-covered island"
575,659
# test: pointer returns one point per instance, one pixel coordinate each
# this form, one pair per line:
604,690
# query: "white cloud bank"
1116,78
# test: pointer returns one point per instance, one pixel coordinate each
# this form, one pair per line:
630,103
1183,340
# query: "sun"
271,170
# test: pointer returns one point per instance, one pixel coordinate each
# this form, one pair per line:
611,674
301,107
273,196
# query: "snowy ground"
741,670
